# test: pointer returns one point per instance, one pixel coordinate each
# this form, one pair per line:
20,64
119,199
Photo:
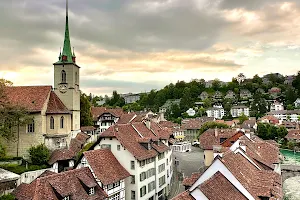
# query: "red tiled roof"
160,148
126,118
60,154
168,124
184,196
293,134
87,128
189,181
218,187
105,166
78,142
56,186
32,98
56,106
208,138
98,111
270,118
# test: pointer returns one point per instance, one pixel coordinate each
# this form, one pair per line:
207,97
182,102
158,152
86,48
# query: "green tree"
257,79
296,82
7,197
243,118
262,131
116,100
86,118
39,155
186,100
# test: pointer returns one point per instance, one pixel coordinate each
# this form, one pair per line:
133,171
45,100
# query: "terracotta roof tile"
126,118
219,188
293,134
168,124
59,185
56,106
184,196
78,142
32,98
60,154
208,138
98,111
87,128
189,181
105,166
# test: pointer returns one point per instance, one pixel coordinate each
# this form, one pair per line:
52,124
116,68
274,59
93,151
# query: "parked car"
196,143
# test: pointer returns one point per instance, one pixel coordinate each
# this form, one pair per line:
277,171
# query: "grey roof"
7,176
282,112
238,107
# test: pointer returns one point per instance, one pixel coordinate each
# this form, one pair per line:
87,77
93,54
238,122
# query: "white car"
195,143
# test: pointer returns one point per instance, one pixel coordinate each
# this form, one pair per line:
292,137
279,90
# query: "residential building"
293,135
249,125
143,149
75,184
286,115
191,112
131,98
213,138
191,127
245,94
29,176
168,105
230,95
217,111
178,133
289,80
288,125
204,95
8,181
297,103
104,117
91,132
217,96
55,111
107,171
269,119
276,106
182,146
258,178
237,111
274,91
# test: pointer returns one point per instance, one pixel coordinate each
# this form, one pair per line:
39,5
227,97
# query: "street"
189,162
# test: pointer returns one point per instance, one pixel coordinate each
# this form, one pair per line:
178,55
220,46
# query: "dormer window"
149,146
67,198
92,191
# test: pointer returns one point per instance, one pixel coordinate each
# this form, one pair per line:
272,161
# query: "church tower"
66,78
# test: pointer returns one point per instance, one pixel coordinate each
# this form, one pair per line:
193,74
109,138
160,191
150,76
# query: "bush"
19,169
39,155
2,151
85,148
7,197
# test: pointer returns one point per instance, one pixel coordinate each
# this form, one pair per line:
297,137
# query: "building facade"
237,111
217,112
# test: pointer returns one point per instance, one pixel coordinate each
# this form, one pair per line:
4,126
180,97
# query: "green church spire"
67,56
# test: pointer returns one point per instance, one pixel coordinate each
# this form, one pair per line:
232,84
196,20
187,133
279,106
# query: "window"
161,168
132,195
66,198
167,161
132,179
63,76
105,146
143,176
143,191
51,122
151,186
62,122
116,184
115,197
167,173
30,127
110,186
161,156
142,163
92,191
118,147
151,172
162,180
132,164
76,78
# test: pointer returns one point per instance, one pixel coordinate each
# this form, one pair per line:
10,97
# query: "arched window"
63,76
51,122
76,78
62,122
30,127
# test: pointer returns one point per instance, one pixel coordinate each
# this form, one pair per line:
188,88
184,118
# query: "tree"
258,105
39,155
241,78
296,82
257,79
242,118
186,100
116,100
290,96
216,84
86,118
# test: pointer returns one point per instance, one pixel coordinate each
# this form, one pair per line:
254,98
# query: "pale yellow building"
55,111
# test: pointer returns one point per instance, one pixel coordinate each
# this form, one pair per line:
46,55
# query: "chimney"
216,132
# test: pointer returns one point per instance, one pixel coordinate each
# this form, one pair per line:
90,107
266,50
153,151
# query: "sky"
139,45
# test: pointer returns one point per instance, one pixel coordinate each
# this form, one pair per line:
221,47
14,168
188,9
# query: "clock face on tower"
63,88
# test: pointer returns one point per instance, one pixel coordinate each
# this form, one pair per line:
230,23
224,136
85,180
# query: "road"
189,162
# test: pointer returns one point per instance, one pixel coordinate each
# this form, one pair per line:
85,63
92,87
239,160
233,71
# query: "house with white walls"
217,112
276,105
107,171
237,111
143,149
258,178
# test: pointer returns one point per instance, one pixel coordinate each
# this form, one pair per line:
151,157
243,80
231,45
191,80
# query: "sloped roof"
87,128
98,111
60,154
126,118
208,138
105,166
183,196
32,98
293,134
57,186
189,181
78,142
56,106
218,187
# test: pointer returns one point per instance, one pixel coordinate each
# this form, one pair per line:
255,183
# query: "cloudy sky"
138,45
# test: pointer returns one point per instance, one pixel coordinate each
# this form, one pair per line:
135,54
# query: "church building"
55,110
